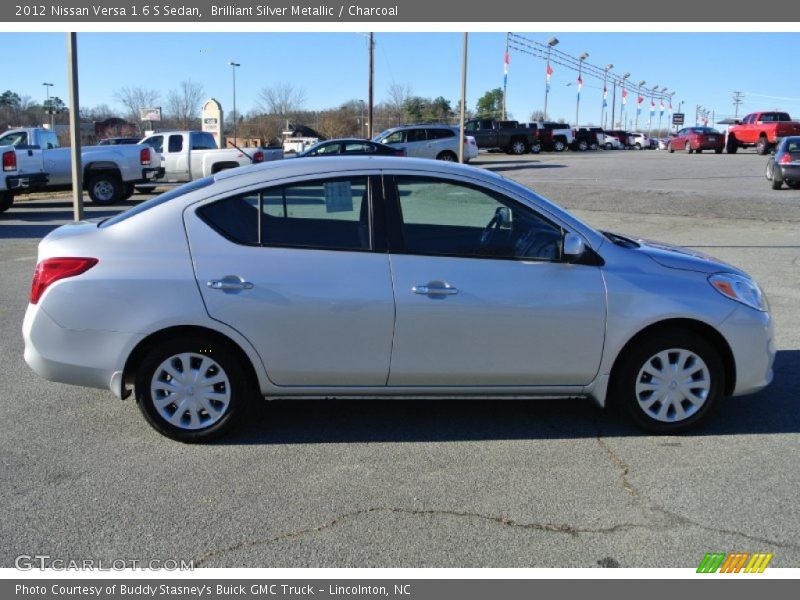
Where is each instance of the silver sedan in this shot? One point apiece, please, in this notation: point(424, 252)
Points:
point(385, 277)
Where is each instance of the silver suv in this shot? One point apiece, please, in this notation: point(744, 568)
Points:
point(428, 141)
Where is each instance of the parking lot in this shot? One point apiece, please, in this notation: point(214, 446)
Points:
point(431, 484)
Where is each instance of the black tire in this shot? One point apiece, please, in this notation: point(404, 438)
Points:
point(699, 150)
point(536, 147)
point(594, 146)
point(226, 362)
point(638, 146)
point(104, 187)
point(6, 200)
point(629, 372)
point(774, 176)
point(609, 146)
point(518, 146)
point(559, 145)
point(144, 189)
point(731, 146)
point(762, 146)
point(583, 145)
point(688, 148)
point(447, 156)
point(717, 150)
point(670, 149)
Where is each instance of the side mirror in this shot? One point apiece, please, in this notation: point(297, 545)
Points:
point(503, 216)
point(574, 246)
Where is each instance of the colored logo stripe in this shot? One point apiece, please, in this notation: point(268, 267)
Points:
point(734, 562)
point(711, 562)
point(758, 563)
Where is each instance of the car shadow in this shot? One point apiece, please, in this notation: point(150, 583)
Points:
point(773, 410)
point(522, 166)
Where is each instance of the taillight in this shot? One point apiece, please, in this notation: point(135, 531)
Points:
point(9, 161)
point(785, 159)
point(258, 156)
point(144, 155)
point(51, 270)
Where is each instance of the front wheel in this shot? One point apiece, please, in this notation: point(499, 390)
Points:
point(104, 188)
point(731, 146)
point(670, 382)
point(6, 200)
point(536, 147)
point(190, 389)
point(583, 145)
point(762, 147)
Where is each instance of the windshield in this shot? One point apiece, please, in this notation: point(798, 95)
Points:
point(158, 200)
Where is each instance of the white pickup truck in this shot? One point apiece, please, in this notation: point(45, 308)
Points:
point(190, 155)
point(109, 172)
point(22, 170)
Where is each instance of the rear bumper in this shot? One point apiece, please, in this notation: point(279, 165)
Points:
point(31, 180)
point(791, 172)
point(719, 144)
point(88, 358)
point(152, 173)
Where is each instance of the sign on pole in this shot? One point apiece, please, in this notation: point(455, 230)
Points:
point(150, 114)
point(677, 119)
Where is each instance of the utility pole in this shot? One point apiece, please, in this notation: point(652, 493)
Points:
point(463, 99)
point(75, 126)
point(233, 66)
point(738, 98)
point(371, 83)
point(505, 78)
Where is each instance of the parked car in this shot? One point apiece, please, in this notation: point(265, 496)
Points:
point(556, 137)
point(762, 130)
point(624, 137)
point(697, 139)
point(118, 141)
point(255, 279)
point(109, 172)
point(428, 141)
point(663, 143)
point(509, 136)
point(639, 140)
point(612, 142)
point(784, 165)
point(22, 170)
point(588, 138)
point(351, 146)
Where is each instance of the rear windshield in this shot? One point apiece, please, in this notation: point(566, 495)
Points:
point(158, 200)
point(705, 131)
point(774, 116)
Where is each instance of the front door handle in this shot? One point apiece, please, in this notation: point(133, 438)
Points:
point(435, 288)
point(229, 284)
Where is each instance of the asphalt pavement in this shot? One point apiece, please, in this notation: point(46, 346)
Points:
point(439, 483)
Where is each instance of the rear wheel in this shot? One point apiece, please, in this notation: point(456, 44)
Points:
point(594, 146)
point(583, 145)
point(762, 147)
point(536, 147)
point(104, 187)
point(670, 149)
point(447, 156)
point(699, 150)
point(609, 146)
point(518, 147)
point(774, 175)
point(6, 200)
point(731, 146)
point(559, 145)
point(190, 389)
point(670, 382)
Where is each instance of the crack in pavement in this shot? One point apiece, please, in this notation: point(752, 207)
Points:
point(504, 521)
point(620, 464)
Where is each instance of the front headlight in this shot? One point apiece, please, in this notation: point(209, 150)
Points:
point(741, 289)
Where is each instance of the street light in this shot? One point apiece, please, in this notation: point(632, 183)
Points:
point(581, 58)
point(609, 66)
point(233, 66)
point(550, 44)
point(47, 87)
point(638, 104)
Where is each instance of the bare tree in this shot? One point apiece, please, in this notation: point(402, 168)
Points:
point(282, 99)
point(397, 99)
point(537, 115)
point(183, 104)
point(136, 98)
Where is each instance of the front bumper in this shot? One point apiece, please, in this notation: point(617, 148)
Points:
point(751, 338)
point(88, 357)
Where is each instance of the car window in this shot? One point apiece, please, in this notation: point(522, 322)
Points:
point(19, 138)
point(358, 148)
point(49, 140)
point(415, 135)
point(471, 126)
point(156, 143)
point(326, 214)
point(175, 143)
point(203, 141)
point(441, 217)
point(440, 133)
point(398, 137)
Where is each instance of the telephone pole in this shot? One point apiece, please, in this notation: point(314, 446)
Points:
point(371, 83)
point(738, 98)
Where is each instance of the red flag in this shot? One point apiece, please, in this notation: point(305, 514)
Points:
point(549, 70)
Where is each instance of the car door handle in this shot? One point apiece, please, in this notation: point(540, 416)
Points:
point(435, 289)
point(230, 284)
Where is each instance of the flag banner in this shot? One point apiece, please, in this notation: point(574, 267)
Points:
point(505, 65)
point(549, 72)
point(580, 84)
point(652, 107)
point(624, 96)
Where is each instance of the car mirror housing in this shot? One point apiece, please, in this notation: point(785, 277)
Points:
point(574, 246)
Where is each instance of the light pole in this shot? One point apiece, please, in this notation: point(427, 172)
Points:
point(550, 44)
point(623, 102)
point(661, 109)
point(638, 103)
point(581, 58)
point(605, 94)
point(653, 94)
point(233, 66)
point(47, 87)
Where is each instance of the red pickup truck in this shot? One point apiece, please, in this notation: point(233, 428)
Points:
point(762, 130)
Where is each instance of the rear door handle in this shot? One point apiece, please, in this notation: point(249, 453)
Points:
point(230, 283)
point(435, 288)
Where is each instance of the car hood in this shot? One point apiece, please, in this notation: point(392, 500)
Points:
point(678, 257)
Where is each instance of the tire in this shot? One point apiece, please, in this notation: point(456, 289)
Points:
point(447, 156)
point(717, 150)
point(518, 147)
point(638, 146)
point(104, 187)
point(536, 147)
point(670, 149)
point(655, 406)
point(774, 176)
point(594, 146)
point(559, 145)
point(609, 146)
point(699, 151)
point(145, 189)
point(583, 145)
point(762, 146)
point(6, 200)
point(731, 146)
point(213, 361)
point(688, 148)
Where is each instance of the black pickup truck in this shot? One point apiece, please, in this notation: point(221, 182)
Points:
point(508, 136)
